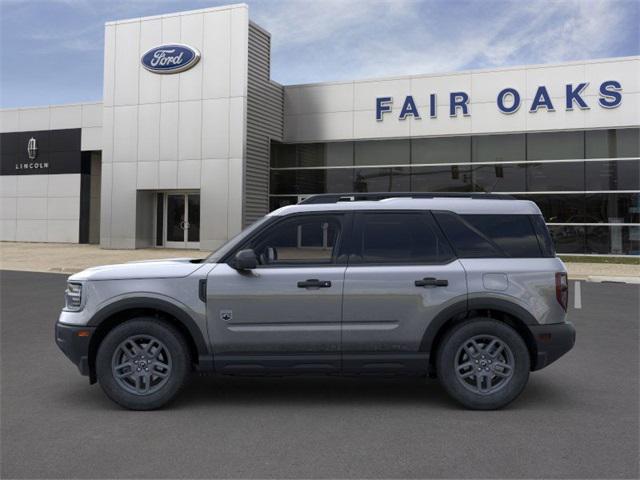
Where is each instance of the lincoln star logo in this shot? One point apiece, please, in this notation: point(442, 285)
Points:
point(32, 149)
point(32, 154)
point(172, 58)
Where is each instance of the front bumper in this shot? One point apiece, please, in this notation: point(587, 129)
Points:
point(552, 341)
point(74, 343)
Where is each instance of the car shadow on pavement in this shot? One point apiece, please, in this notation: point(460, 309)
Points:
point(202, 391)
point(345, 391)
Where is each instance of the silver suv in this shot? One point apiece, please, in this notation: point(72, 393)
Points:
point(463, 287)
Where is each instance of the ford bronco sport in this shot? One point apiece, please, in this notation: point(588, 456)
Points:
point(463, 287)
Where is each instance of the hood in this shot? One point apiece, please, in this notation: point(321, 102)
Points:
point(165, 268)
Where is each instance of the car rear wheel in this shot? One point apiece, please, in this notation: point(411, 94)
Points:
point(483, 364)
point(143, 363)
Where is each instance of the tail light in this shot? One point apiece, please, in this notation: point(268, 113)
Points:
point(562, 289)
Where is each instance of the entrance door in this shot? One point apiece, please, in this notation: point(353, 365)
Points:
point(182, 220)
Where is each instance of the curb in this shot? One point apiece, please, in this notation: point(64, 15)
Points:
point(65, 269)
point(607, 279)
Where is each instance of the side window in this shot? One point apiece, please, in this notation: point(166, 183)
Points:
point(467, 241)
point(514, 234)
point(300, 240)
point(401, 238)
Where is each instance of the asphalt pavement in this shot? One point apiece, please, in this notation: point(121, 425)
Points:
point(577, 418)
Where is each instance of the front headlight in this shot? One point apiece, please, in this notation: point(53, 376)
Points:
point(73, 297)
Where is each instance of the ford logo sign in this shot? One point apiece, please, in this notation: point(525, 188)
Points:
point(172, 58)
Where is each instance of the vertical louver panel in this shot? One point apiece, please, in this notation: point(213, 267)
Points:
point(265, 120)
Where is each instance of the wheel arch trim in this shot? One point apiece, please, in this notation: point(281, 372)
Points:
point(462, 308)
point(151, 303)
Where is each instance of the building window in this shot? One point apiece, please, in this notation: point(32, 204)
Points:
point(555, 145)
point(613, 175)
point(382, 152)
point(279, 202)
point(613, 207)
point(568, 238)
point(305, 182)
point(499, 148)
point(563, 176)
point(440, 150)
point(311, 154)
point(499, 178)
point(283, 155)
point(339, 154)
point(612, 143)
point(339, 180)
point(613, 240)
point(396, 179)
point(446, 178)
point(559, 208)
point(548, 168)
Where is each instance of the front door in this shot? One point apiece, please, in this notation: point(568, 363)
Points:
point(401, 275)
point(182, 220)
point(285, 314)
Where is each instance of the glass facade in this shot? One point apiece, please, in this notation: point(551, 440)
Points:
point(585, 182)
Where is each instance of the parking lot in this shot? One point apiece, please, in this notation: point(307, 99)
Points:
point(578, 418)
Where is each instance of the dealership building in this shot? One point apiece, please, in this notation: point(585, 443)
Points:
point(193, 141)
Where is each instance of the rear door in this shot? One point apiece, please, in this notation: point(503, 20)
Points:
point(285, 314)
point(401, 274)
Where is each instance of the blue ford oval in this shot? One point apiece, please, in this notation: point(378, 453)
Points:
point(171, 58)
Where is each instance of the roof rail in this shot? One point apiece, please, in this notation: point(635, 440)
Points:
point(355, 197)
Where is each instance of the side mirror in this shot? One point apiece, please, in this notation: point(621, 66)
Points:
point(272, 254)
point(245, 260)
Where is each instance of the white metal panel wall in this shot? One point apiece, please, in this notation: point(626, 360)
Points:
point(177, 131)
point(40, 208)
point(346, 110)
point(46, 208)
point(86, 116)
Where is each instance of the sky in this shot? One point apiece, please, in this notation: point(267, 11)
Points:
point(51, 51)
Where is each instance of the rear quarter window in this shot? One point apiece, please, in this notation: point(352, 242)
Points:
point(514, 234)
point(467, 241)
point(491, 236)
point(544, 238)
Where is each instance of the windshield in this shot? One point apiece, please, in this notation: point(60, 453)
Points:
point(232, 242)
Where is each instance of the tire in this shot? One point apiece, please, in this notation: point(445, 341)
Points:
point(151, 358)
point(470, 346)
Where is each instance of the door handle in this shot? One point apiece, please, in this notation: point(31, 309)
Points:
point(314, 283)
point(431, 282)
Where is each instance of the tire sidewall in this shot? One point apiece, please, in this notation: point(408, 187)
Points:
point(173, 341)
point(446, 361)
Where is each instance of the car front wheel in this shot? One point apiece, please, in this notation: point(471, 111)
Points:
point(483, 364)
point(143, 363)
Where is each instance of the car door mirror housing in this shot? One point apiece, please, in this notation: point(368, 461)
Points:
point(245, 260)
point(271, 254)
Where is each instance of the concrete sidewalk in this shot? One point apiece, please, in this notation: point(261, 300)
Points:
point(71, 258)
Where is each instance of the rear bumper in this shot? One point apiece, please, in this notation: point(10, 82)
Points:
point(74, 343)
point(552, 341)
